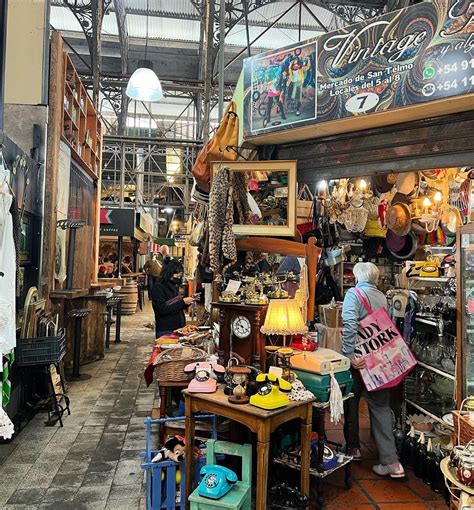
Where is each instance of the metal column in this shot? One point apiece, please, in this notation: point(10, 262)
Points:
point(208, 59)
point(221, 56)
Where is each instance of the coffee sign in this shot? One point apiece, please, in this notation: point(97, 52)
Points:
point(415, 55)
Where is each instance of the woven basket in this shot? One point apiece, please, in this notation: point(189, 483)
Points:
point(463, 429)
point(171, 362)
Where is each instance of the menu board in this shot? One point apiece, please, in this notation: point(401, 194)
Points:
point(414, 55)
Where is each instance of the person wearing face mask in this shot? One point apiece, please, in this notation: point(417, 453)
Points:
point(168, 305)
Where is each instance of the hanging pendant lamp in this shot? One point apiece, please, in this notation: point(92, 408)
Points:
point(144, 84)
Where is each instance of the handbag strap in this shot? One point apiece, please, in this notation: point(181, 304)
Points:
point(364, 301)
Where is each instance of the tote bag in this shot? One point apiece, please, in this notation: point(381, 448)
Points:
point(216, 149)
point(387, 356)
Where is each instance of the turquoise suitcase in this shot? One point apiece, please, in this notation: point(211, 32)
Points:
point(320, 385)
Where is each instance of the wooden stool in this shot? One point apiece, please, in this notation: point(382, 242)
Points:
point(240, 497)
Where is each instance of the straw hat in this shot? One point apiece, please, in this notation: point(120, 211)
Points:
point(373, 228)
point(450, 221)
point(398, 219)
point(407, 182)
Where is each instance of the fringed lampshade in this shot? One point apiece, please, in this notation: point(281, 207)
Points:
point(284, 318)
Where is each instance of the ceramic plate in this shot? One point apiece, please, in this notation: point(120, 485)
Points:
point(448, 418)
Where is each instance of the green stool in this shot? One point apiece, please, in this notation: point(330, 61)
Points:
point(240, 497)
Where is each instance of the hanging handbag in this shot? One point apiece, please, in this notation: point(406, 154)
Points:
point(216, 149)
point(198, 230)
point(326, 288)
point(388, 359)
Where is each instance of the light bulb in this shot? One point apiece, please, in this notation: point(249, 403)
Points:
point(438, 196)
point(322, 185)
point(363, 184)
point(426, 202)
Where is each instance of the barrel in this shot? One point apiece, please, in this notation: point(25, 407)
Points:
point(129, 295)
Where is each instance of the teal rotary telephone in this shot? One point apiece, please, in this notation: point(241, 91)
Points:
point(217, 481)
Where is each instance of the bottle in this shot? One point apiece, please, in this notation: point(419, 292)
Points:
point(429, 466)
point(408, 448)
point(420, 456)
point(437, 483)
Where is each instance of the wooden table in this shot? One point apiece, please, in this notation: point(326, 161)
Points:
point(163, 386)
point(259, 421)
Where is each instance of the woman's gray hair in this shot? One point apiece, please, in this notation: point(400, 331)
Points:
point(366, 272)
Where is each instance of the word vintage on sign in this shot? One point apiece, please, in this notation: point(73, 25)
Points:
point(420, 54)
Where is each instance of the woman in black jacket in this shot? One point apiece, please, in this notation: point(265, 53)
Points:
point(168, 305)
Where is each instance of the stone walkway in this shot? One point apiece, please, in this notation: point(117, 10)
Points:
point(93, 462)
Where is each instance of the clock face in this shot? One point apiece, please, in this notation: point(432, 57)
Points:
point(241, 326)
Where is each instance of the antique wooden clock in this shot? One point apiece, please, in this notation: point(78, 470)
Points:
point(240, 332)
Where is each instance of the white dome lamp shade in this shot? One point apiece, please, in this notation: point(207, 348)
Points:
point(144, 84)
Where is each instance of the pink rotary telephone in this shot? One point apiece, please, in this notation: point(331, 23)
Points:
point(203, 381)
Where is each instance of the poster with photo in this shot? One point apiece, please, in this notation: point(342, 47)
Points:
point(283, 87)
point(419, 54)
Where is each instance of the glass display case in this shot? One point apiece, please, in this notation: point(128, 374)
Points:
point(465, 282)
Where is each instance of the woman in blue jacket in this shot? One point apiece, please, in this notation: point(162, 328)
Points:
point(353, 311)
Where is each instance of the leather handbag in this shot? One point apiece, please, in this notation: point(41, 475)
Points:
point(217, 148)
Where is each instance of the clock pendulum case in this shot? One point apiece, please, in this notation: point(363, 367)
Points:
point(243, 323)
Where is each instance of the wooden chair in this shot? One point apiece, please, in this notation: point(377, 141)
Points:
point(240, 497)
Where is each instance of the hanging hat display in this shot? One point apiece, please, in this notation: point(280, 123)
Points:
point(398, 219)
point(383, 183)
point(400, 198)
point(373, 228)
point(407, 182)
point(408, 249)
point(393, 242)
point(450, 221)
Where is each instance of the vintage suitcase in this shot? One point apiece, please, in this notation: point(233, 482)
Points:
point(321, 361)
point(320, 385)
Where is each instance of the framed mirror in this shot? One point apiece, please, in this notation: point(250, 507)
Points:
point(271, 187)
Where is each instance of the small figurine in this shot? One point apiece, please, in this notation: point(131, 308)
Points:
point(172, 450)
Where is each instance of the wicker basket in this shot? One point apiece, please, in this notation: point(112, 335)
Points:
point(463, 428)
point(171, 362)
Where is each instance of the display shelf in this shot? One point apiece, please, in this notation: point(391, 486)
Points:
point(450, 474)
point(420, 282)
point(81, 128)
point(313, 471)
point(436, 370)
point(428, 413)
point(429, 322)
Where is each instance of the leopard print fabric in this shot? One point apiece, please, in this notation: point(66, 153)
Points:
point(229, 190)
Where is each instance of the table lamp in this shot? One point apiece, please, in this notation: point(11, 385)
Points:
point(284, 318)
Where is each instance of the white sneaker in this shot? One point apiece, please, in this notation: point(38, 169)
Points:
point(394, 470)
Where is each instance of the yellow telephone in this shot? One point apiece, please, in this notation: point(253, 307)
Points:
point(272, 392)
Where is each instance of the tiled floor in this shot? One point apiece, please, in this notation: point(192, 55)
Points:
point(370, 491)
point(93, 463)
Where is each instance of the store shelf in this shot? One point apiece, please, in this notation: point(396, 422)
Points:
point(312, 471)
point(428, 413)
point(437, 370)
point(420, 282)
point(429, 322)
point(450, 474)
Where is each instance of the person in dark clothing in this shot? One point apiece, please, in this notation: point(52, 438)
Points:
point(168, 305)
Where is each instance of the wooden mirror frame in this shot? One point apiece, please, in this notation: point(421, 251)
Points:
point(288, 230)
point(289, 248)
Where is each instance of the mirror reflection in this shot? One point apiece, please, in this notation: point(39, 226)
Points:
point(267, 198)
point(272, 277)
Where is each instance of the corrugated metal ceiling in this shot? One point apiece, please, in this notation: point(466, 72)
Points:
point(182, 29)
